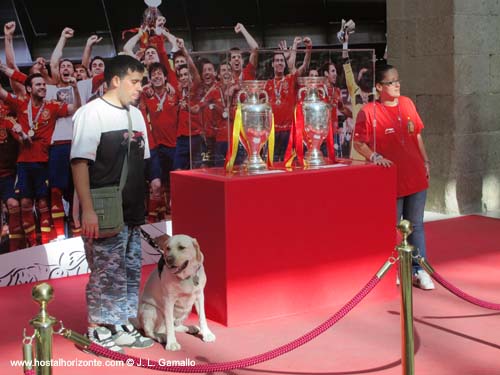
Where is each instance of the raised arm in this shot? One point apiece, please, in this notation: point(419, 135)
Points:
point(291, 55)
point(10, 58)
point(129, 47)
point(192, 67)
point(162, 52)
point(345, 48)
point(58, 52)
point(350, 81)
point(252, 43)
point(87, 52)
point(41, 67)
point(9, 72)
point(3, 93)
point(307, 58)
point(15, 78)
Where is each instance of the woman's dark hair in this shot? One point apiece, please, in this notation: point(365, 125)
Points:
point(381, 70)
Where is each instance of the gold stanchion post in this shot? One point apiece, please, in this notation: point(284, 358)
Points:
point(43, 323)
point(405, 276)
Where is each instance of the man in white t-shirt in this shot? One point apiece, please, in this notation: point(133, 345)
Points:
point(60, 181)
point(100, 146)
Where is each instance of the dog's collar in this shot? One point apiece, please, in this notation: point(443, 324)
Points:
point(195, 276)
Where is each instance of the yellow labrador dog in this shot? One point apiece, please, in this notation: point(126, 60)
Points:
point(171, 291)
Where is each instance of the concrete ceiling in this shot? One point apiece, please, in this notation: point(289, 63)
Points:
point(40, 21)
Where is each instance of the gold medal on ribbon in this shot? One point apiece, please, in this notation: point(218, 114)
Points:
point(159, 107)
point(31, 133)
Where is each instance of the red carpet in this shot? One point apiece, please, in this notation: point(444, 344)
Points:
point(453, 337)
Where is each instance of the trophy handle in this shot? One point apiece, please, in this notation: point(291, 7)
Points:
point(301, 90)
point(266, 95)
point(239, 95)
point(321, 89)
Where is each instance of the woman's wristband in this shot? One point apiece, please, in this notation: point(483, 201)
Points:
point(375, 157)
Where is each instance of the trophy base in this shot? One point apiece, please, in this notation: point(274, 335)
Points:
point(255, 164)
point(314, 158)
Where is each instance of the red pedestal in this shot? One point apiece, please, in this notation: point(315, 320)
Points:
point(283, 243)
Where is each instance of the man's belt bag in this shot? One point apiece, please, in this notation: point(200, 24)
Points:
point(108, 207)
point(108, 202)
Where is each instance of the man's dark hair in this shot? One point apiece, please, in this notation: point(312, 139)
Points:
point(204, 61)
point(182, 66)
point(120, 66)
point(157, 66)
point(96, 58)
point(177, 54)
point(78, 66)
point(68, 60)
point(279, 52)
point(30, 79)
point(325, 68)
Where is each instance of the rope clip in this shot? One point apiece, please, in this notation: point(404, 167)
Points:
point(61, 330)
point(28, 340)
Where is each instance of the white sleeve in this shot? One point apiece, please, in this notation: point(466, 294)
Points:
point(85, 89)
point(86, 133)
point(141, 126)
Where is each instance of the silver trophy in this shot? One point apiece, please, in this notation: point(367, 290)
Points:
point(346, 28)
point(316, 117)
point(150, 15)
point(256, 118)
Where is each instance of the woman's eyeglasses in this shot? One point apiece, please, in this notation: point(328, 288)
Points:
point(391, 83)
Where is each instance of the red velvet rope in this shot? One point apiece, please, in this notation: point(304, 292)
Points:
point(246, 362)
point(459, 293)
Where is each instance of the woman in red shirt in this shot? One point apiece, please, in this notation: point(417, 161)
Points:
point(397, 139)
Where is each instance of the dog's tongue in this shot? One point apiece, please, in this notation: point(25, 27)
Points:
point(182, 268)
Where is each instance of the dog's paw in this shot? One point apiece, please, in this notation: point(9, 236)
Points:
point(208, 336)
point(173, 346)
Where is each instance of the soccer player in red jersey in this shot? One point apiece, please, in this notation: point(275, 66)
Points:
point(160, 114)
point(282, 92)
point(37, 118)
point(9, 146)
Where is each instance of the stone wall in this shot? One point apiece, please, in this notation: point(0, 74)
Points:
point(448, 55)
